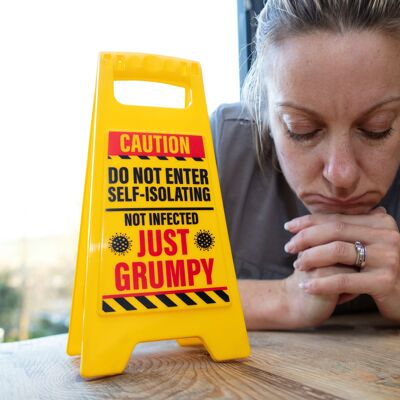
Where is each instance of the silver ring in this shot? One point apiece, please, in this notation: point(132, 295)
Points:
point(361, 254)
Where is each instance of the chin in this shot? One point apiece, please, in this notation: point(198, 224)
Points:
point(356, 209)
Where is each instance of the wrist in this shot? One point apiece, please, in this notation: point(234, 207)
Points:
point(288, 302)
point(307, 310)
point(265, 304)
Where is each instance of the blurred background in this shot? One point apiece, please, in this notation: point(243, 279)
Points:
point(48, 61)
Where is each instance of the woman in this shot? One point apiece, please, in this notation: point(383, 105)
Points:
point(309, 170)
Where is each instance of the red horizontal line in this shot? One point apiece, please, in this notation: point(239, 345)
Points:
point(113, 296)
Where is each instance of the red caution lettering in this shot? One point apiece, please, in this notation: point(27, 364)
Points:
point(163, 273)
point(155, 144)
point(157, 242)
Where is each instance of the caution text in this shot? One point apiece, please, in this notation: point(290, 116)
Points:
point(163, 273)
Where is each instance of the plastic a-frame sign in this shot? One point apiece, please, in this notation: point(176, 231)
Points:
point(154, 260)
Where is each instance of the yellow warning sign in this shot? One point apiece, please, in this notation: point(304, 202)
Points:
point(154, 259)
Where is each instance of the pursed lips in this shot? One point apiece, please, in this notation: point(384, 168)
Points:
point(356, 201)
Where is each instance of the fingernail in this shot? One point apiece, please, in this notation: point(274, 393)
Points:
point(290, 225)
point(288, 247)
point(304, 285)
point(296, 264)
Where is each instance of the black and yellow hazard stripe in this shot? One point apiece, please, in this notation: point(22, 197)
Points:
point(163, 158)
point(165, 301)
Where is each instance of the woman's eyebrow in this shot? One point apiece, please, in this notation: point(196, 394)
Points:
point(316, 115)
point(300, 108)
point(382, 103)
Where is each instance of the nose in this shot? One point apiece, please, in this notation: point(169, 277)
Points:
point(341, 169)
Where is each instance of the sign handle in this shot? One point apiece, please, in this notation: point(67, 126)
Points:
point(160, 69)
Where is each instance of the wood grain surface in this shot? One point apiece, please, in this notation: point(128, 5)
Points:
point(347, 358)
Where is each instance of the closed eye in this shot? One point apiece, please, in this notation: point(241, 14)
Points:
point(376, 135)
point(303, 137)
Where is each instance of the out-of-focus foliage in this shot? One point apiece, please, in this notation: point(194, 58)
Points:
point(10, 304)
point(45, 326)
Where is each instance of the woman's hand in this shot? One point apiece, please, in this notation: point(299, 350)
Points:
point(308, 309)
point(323, 240)
point(282, 304)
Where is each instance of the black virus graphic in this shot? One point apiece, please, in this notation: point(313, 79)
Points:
point(120, 244)
point(204, 240)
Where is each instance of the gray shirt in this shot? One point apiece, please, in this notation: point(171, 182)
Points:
point(257, 204)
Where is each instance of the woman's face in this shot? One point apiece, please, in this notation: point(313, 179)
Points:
point(334, 114)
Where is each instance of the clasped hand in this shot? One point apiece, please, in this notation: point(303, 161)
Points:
point(326, 256)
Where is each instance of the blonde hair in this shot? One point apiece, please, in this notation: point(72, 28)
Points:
point(281, 19)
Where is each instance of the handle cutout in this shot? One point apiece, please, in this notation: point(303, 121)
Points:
point(150, 94)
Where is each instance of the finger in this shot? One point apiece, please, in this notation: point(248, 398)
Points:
point(378, 210)
point(345, 254)
point(364, 282)
point(333, 253)
point(375, 219)
point(331, 232)
point(345, 297)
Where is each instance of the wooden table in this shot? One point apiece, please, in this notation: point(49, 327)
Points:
point(347, 358)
